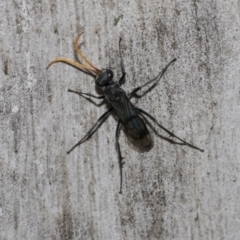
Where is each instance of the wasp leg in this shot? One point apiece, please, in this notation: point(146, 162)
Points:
point(122, 78)
point(93, 129)
point(169, 132)
point(120, 158)
point(159, 135)
point(86, 94)
point(154, 81)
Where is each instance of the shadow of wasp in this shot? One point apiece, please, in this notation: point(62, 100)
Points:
point(132, 118)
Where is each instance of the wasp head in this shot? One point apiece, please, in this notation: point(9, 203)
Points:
point(104, 78)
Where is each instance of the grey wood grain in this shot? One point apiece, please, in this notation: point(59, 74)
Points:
point(170, 192)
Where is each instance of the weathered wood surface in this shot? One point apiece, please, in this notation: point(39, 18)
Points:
point(170, 192)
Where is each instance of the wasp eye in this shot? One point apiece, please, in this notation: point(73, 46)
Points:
point(109, 73)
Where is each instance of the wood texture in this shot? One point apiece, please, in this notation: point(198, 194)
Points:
point(170, 192)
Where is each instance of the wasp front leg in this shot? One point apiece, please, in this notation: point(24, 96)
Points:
point(86, 94)
point(122, 78)
point(154, 81)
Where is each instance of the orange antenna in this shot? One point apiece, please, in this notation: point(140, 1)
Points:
point(81, 54)
point(90, 68)
point(71, 62)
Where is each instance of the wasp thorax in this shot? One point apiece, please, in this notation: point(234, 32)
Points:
point(104, 78)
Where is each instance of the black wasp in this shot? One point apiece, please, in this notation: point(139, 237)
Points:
point(131, 117)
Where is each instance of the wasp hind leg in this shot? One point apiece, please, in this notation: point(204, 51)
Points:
point(120, 158)
point(169, 132)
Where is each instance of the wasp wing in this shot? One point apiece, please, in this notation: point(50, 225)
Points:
point(133, 123)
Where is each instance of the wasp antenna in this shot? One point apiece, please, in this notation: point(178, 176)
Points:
point(72, 63)
point(79, 52)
